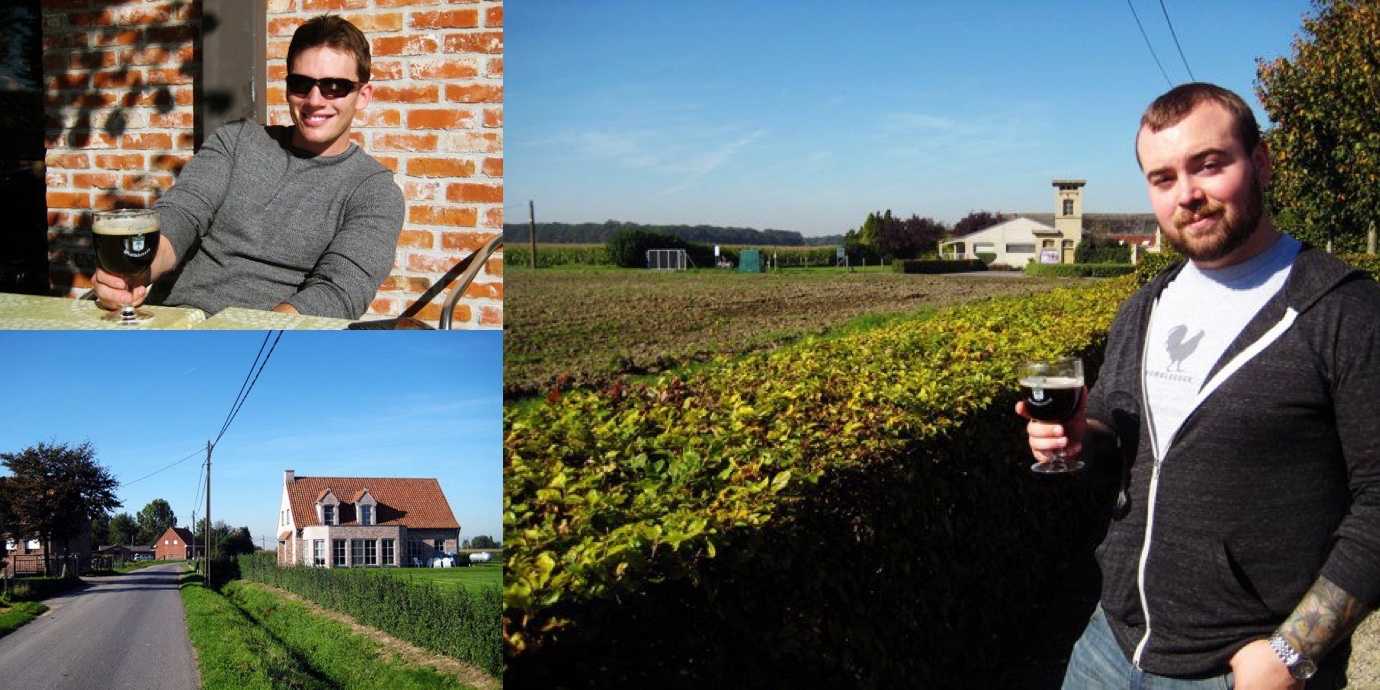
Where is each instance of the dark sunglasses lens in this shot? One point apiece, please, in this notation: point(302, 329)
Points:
point(335, 88)
point(331, 87)
point(299, 84)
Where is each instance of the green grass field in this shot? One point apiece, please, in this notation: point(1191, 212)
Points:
point(12, 617)
point(470, 577)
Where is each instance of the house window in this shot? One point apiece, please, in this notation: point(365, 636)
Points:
point(371, 555)
point(417, 550)
point(1020, 249)
point(338, 551)
point(328, 515)
point(366, 515)
point(318, 552)
point(1068, 207)
point(356, 551)
point(388, 552)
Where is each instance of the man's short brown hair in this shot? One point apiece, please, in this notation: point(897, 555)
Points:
point(333, 32)
point(1175, 105)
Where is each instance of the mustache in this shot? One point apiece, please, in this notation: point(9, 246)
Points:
point(1184, 217)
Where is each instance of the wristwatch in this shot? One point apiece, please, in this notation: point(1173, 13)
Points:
point(1300, 666)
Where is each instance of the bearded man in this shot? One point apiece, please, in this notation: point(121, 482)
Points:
point(1245, 545)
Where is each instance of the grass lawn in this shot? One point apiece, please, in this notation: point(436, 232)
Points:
point(470, 577)
point(12, 617)
point(249, 638)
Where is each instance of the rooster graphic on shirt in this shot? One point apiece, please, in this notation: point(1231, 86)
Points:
point(1180, 349)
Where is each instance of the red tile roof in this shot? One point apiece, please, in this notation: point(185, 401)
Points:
point(412, 503)
point(184, 533)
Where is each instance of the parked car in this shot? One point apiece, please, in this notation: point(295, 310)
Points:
point(143, 556)
point(480, 557)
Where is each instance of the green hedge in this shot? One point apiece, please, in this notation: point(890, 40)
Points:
point(628, 248)
point(557, 255)
point(938, 265)
point(455, 622)
point(1366, 262)
point(39, 588)
point(850, 512)
point(1078, 270)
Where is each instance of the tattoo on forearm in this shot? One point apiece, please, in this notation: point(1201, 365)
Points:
point(1326, 615)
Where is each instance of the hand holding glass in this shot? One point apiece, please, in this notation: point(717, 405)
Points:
point(126, 243)
point(1051, 390)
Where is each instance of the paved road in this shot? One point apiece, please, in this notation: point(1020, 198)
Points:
point(124, 632)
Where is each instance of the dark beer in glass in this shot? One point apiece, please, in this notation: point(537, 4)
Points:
point(1051, 390)
point(126, 242)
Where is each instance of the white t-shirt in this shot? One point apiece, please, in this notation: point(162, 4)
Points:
point(1196, 318)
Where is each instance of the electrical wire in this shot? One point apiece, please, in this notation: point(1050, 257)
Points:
point(235, 410)
point(235, 403)
point(1147, 44)
point(1176, 42)
point(165, 467)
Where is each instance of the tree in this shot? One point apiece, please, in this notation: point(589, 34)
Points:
point(55, 491)
point(1325, 144)
point(483, 541)
point(225, 541)
point(124, 530)
point(975, 220)
point(100, 529)
point(155, 519)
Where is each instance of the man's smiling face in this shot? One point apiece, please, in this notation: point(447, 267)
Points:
point(323, 124)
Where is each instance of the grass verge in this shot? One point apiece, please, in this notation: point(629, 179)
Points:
point(472, 577)
point(19, 614)
point(248, 638)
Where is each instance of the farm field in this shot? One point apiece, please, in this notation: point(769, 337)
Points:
point(590, 324)
point(471, 577)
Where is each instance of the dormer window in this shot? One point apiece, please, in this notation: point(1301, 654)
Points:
point(366, 515)
point(328, 514)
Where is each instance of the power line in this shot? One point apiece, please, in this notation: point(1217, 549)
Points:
point(1147, 44)
point(235, 409)
point(235, 403)
point(1176, 42)
point(165, 467)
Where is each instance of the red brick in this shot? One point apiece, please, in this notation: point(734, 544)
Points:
point(318, 5)
point(490, 316)
point(371, 117)
point(479, 290)
point(444, 69)
point(390, 162)
point(404, 3)
point(284, 26)
point(474, 193)
point(69, 160)
point(178, 119)
point(493, 117)
point(117, 79)
point(127, 15)
point(438, 119)
point(151, 55)
point(382, 306)
point(148, 182)
point(170, 162)
point(405, 142)
point(69, 80)
point(474, 93)
point(378, 69)
point(107, 201)
point(493, 17)
point(405, 284)
point(97, 180)
point(276, 95)
point(116, 38)
point(421, 191)
point(442, 215)
point(169, 76)
point(370, 23)
point(186, 140)
point(495, 68)
point(147, 140)
point(477, 42)
point(482, 142)
point(494, 267)
point(450, 19)
point(170, 34)
point(69, 200)
point(277, 6)
point(420, 93)
point(493, 167)
point(278, 50)
point(92, 60)
point(403, 45)
point(464, 241)
point(278, 71)
point(55, 179)
point(422, 239)
point(493, 218)
point(440, 167)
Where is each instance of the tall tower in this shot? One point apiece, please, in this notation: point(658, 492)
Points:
point(1068, 215)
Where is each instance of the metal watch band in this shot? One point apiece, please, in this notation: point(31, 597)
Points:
point(1300, 666)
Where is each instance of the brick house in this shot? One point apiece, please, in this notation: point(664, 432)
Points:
point(25, 556)
point(176, 544)
point(108, 100)
point(334, 522)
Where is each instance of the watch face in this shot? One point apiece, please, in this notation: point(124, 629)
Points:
point(1303, 670)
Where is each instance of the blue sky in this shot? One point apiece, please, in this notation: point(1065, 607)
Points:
point(806, 115)
point(361, 404)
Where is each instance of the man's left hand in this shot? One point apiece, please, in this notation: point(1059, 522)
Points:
point(1257, 667)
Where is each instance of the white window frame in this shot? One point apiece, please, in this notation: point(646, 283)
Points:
point(389, 552)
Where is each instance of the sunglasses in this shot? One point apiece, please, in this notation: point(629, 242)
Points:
point(331, 87)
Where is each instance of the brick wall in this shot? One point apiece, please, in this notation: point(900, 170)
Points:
point(119, 77)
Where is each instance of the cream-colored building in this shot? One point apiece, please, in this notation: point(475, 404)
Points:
point(1019, 240)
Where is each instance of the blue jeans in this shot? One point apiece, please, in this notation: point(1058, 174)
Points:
point(1097, 663)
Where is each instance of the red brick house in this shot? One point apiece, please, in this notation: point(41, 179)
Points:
point(336, 522)
point(25, 556)
point(176, 544)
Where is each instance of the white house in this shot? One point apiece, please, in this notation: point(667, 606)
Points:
point(1021, 239)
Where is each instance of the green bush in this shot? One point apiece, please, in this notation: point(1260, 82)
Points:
point(1151, 264)
point(549, 255)
point(1366, 262)
point(39, 588)
point(628, 248)
point(455, 622)
point(937, 265)
point(1078, 270)
point(813, 514)
point(986, 258)
point(1094, 250)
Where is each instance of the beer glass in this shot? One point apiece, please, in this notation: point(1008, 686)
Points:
point(1051, 389)
point(126, 242)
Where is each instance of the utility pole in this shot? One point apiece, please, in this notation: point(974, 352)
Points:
point(206, 555)
point(532, 233)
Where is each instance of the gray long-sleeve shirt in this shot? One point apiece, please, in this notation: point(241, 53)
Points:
point(256, 224)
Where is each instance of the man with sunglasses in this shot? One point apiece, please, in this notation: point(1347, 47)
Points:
point(293, 219)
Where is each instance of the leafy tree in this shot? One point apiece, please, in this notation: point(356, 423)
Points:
point(226, 542)
point(1326, 140)
point(155, 519)
point(483, 541)
point(124, 530)
point(1100, 250)
point(55, 491)
point(100, 529)
point(975, 220)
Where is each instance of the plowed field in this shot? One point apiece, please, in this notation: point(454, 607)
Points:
point(585, 326)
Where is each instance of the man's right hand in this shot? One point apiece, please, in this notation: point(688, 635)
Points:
point(114, 291)
point(1047, 437)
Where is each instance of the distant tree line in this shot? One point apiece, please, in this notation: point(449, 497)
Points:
point(598, 233)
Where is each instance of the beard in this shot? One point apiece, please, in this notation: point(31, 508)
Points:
point(1233, 228)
